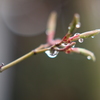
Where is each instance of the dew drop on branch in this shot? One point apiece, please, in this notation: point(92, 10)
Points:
point(51, 54)
point(80, 40)
point(92, 36)
point(73, 46)
point(69, 27)
point(78, 25)
point(89, 57)
point(76, 34)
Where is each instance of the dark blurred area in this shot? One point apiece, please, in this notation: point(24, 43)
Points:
point(67, 77)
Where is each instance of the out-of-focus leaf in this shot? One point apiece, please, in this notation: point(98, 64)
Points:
point(90, 55)
point(51, 27)
point(89, 33)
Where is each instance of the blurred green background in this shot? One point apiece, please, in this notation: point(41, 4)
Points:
point(67, 77)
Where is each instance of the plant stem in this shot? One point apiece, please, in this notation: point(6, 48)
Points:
point(33, 52)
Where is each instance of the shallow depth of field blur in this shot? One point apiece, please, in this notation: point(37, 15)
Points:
point(66, 77)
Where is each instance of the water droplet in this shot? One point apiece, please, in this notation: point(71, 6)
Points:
point(73, 46)
point(80, 40)
point(69, 27)
point(76, 34)
point(51, 54)
point(3, 64)
point(92, 36)
point(89, 57)
point(78, 25)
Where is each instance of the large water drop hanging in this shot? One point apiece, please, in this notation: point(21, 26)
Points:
point(51, 54)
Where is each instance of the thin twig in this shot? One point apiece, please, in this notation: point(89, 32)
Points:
point(33, 52)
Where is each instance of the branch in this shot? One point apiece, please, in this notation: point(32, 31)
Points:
point(33, 52)
point(54, 46)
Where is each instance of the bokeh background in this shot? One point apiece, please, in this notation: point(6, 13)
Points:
point(67, 77)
